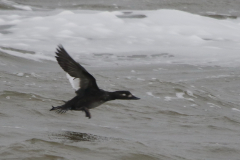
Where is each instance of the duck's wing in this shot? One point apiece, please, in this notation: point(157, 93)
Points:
point(73, 81)
point(75, 70)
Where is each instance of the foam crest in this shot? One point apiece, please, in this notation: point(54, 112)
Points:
point(190, 38)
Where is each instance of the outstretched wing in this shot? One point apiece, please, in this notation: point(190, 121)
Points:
point(74, 69)
point(73, 81)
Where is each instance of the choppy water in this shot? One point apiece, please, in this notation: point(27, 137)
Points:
point(216, 8)
point(189, 107)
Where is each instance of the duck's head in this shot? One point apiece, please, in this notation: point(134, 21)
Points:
point(124, 95)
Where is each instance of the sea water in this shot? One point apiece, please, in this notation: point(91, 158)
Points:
point(180, 57)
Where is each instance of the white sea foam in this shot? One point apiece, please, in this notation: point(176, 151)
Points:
point(168, 98)
point(213, 105)
point(180, 95)
point(140, 79)
point(150, 94)
point(20, 74)
point(190, 93)
point(235, 109)
point(12, 127)
point(14, 16)
point(1, 21)
point(35, 75)
point(188, 38)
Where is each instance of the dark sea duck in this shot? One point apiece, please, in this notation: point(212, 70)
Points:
point(88, 94)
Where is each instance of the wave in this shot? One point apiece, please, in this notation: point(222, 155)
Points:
point(196, 39)
point(20, 96)
point(37, 148)
point(79, 137)
point(3, 115)
point(9, 5)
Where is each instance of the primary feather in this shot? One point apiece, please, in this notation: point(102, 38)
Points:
point(75, 70)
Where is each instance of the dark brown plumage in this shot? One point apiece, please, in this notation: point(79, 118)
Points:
point(88, 95)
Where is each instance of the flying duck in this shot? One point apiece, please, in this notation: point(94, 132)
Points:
point(88, 95)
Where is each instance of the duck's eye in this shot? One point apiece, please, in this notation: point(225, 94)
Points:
point(123, 94)
point(129, 95)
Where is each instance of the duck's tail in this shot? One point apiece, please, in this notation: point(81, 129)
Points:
point(58, 107)
point(61, 109)
point(65, 107)
point(53, 108)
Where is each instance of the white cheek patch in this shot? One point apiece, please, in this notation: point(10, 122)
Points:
point(130, 95)
point(123, 94)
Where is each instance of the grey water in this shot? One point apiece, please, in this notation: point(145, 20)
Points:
point(215, 8)
point(186, 112)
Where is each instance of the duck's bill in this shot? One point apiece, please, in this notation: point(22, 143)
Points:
point(134, 98)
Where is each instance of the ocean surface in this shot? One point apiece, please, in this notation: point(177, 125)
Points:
point(181, 57)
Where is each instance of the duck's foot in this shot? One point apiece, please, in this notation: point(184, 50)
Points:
point(88, 114)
